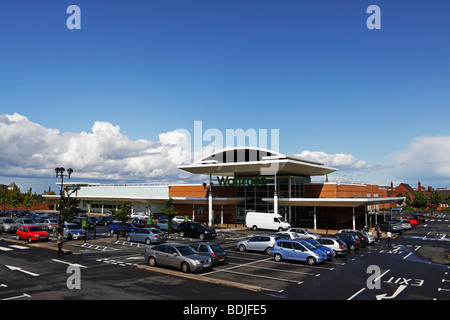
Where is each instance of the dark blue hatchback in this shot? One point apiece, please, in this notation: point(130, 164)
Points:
point(351, 240)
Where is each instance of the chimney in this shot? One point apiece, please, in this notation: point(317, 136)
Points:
point(430, 189)
point(419, 187)
point(392, 186)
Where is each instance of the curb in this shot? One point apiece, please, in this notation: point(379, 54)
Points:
point(199, 278)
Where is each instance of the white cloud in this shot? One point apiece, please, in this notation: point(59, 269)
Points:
point(341, 161)
point(29, 149)
point(426, 158)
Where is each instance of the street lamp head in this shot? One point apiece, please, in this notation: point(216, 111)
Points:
point(69, 171)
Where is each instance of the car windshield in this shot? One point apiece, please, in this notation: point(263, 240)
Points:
point(9, 220)
point(308, 245)
point(217, 248)
point(308, 231)
point(185, 250)
point(154, 230)
point(35, 229)
point(315, 243)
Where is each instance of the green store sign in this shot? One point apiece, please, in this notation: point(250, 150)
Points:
point(241, 181)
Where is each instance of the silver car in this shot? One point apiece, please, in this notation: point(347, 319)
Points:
point(48, 224)
point(338, 246)
point(73, 231)
point(178, 256)
point(305, 233)
point(147, 235)
point(8, 224)
point(258, 243)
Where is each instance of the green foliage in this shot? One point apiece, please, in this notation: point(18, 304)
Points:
point(170, 212)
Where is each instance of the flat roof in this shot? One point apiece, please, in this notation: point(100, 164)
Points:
point(248, 161)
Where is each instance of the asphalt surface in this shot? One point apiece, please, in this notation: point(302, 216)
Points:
point(415, 267)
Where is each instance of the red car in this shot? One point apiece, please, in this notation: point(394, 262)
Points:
point(31, 233)
point(411, 220)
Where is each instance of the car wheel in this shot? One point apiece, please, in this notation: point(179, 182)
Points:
point(69, 236)
point(111, 231)
point(202, 236)
point(242, 248)
point(311, 261)
point(185, 267)
point(254, 228)
point(352, 247)
point(152, 262)
point(148, 241)
point(30, 240)
point(278, 257)
point(17, 237)
point(128, 238)
point(268, 250)
point(182, 234)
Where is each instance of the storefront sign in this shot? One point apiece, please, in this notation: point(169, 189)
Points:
point(241, 181)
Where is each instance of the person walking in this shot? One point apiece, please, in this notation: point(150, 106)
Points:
point(389, 236)
point(378, 231)
point(60, 242)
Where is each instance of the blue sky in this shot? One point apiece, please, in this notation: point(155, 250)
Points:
point(311, 69)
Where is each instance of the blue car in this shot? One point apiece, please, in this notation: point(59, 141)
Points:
point(114, 228)
point(297, 249)
point(328, 252)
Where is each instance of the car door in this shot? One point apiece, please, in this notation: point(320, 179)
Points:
point(173, 257)
point(252, 243)
point(299, 252)
point(20, 232)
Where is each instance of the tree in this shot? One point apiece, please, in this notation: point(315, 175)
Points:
point(408, 200)
point(3, 198)
point(122, 216)
point(447, 199)
point(420, 200)
point(28, 199)
point(436, 199)
point(170, 212)
point(14, 196)
point(400, 202)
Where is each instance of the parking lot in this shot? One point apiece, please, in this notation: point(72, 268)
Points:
point(416, 266)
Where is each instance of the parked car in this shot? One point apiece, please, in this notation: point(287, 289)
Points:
point(147, 235)
point(305, 233)
point(164, 225)
point(115, 228)
point(327, 251)
point(178, 256)
point(411, 220)
point(362, 236)
point(72, 231)
point(25, 221)
point(32, 233)
point(196, 230)
point(179, 219)
point(8, 224)
point(215, 251)
point(91, 224)
point(405, 224)
point(143, 223)
point(337, 245)
point(419, 217)
point(258, 243)
point(351, 240)
point(48, 224)
point(297, 249)
point(289, 235)
point(392, 226)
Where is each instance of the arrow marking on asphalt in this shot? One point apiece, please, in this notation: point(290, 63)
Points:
point(21, 270)
point(396, 293)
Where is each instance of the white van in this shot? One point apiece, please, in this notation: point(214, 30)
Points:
point(264, 220)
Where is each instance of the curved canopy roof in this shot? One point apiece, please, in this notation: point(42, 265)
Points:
point(252, 161)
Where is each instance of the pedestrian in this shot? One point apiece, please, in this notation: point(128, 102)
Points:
point(60, 242)
point(389, 236)
point(377, 229)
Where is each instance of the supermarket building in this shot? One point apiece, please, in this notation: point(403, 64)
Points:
point(239, 180)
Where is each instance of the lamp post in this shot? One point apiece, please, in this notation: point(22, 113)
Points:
point(60, 173)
